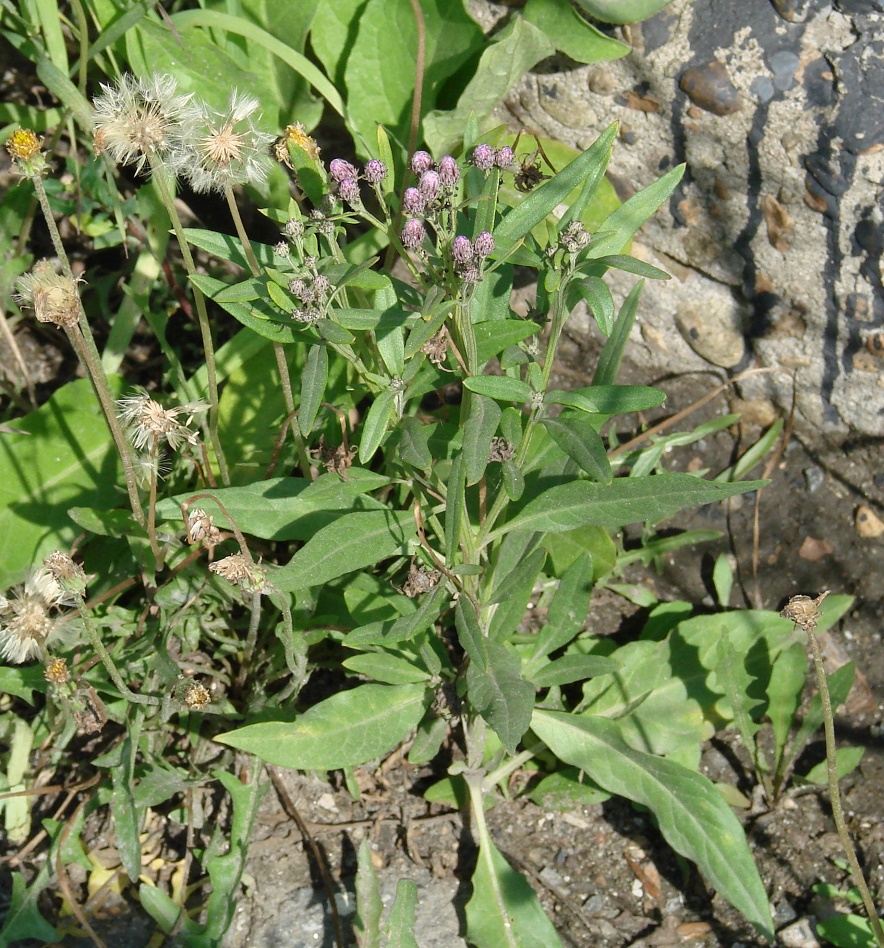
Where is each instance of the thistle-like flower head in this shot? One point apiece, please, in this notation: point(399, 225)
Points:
point(144, 122)
point(148, 421)
point(229, 150)
point(52, 295)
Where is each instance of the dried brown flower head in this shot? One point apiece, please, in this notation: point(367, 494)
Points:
point(196, 696)
point(420, 579)
point(336, 460)
point(804, 611)
point(242, 572)
point(201, 529)
point(436, 347)
point(70, 576)
point(149, 422)
point(501, 450)
point(53, 296)
point(57, 672)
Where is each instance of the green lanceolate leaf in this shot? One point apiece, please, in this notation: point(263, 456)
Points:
point(454, 508)
point(494, 335)
point(503, 911)
point(598, 298)
point(374, 429)
point(608, 399)
point(622, 11)
point(577, 437)
point(512, 595)
point(389, 669)
point(369, 907)
point(414, 447)
point(691, 813)
point(391, 632)
point(567, 611)
point(570, 668)
point(345, 730)
point(313, 383)
point(499, 386)
point(480, 427)
point(399, 927)
point(351, 542)
point(624, 500)
point(610, 357)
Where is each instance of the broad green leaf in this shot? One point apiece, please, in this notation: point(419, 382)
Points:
point(504, 911)
point(414, 447)
point(313, 383)
point(255, 316)
point(494, 335)
point(611, 356)
point(566, 789)
point(125, 815)
point(784, 690)
point(619, 228)
point(513, 479)
point(499, 386)
point(624, 500)
point(391, 632)
point(511, 53)
point(285, 508)
point(513, 595)
point(629, 264)
point(567, 611)
point(374, 428)
point(608, 399)
point(399, 927)
point(22, 681)
point(577, 437)
point(622, 11)
point(570, 33)
point(690, 812)
point(571, 668)
point(479, 428)
point(345, 730)
point(564, 548)
point(352, 542)
point(66, 459)
point(732, 675)
point(598, 298)
point(23, 919)
point(389, 669)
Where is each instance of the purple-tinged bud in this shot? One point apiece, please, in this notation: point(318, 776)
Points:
point(340, 170)
point(413, 234)
point(504, 158)
point(294, 228)
point(413, 202)
point(449, 173)
point(349, 191)
point(483, 157)
point(298, 288)
point(484, 244)
point(462, 252)
point(375, 171)
point(421, 161)
point(469, 275)
point(430, 186)
point(282, 249)
point(321, 285)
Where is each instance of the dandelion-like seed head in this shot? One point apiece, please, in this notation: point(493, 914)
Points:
point(27, 622)
point(240, 571)
point(53, 296)
point(143, 122)
point(229, 150)
point(149, 422)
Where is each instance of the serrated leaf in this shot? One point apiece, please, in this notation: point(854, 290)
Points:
point(345, 730)
point(690, 812)
point(624, 500)
point(351, 542)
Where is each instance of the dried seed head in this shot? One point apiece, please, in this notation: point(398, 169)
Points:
point(57, 672)
point(201, 529)
point(804, 611)
point(436, 347)
point(52, 295)
point(24, 148)
point(144, 122)
point(575, 237)
point(70, 576)
point(149, 422)
point(239, 571)
point(501, 450)
point(420, 580)
point(196, 696)
point(27, 623)
point(297, 135)
point(229, 150)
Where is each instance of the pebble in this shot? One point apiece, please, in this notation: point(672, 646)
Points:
point(814, 478)
point(710, 88)
point(783, 913)
point(712, 329)
point(799, 935)
point(868, 524)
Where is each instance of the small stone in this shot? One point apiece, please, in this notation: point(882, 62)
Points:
point(710, 88)
point(814, 478)
point(799, 935)
point(812, 549)
point(712, 329)
point(868, 524)
point(784, 913)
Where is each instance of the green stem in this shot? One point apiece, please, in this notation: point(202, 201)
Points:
point(296, 661)
point(152, 505)
point(834, 793)
point(108, 662)
point(160, 178)
point(251, 640)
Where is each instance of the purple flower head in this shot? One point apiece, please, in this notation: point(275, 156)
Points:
point(294, 228)
point(375, 171)
point(321, 285)
point(449, 173)
point(413, 234)
point(462, 252)
point(298, 288)
point(340, 170)
point(413, 202)
point(421, 161)
point(469, 275)
point(504, 158)
point(483, 157)
point(349, 190)
point(430, 186)
point(484, 244)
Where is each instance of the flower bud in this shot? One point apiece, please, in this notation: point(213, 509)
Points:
point(413, 201)
point(462, 252)
point(421, 161)
point(375, 171)
point(430, 186)
point(484, 244)
point(340, 170)
point(449, 172)
point(483, 157)
point(349, 191)
point(413, 234)
point(504, 157)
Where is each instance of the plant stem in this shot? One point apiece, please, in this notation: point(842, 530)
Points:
point(108, 662)
point(152, 505)
point(251, 640)
point(160, 178)
point(834, 793)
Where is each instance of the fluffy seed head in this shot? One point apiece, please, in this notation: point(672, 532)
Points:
point(149, 422)
point(27, 623)
point(144, 121)
point(52, 295)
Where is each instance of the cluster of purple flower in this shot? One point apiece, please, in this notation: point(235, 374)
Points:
point(346, 178)
point(485, 158)
point(436, 183)
point(467, 255)
point(311, 293)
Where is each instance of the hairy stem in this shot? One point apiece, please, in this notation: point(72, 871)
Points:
point(108, 662)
